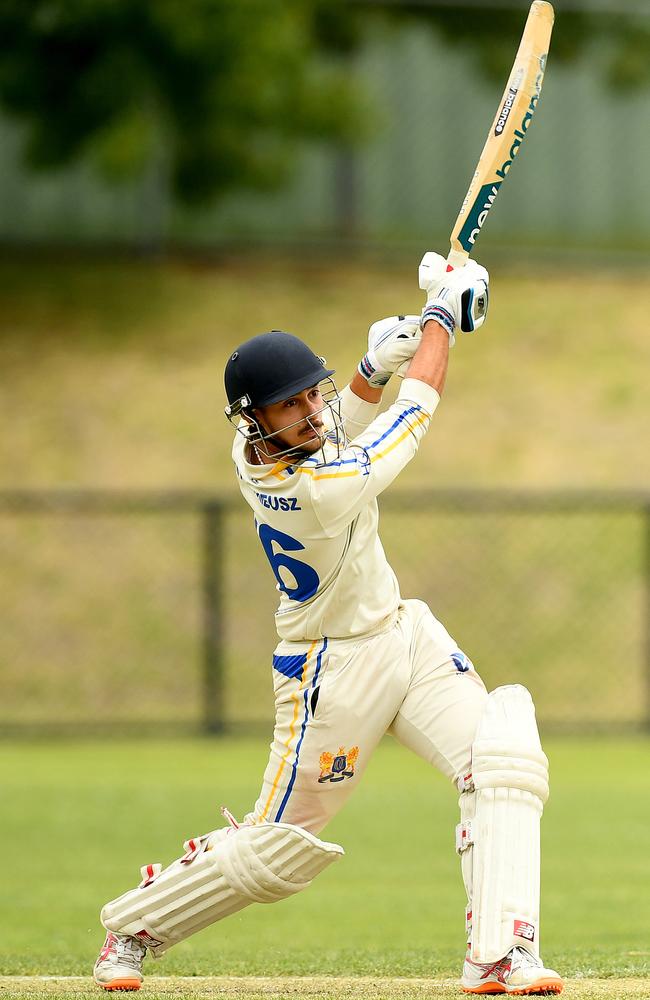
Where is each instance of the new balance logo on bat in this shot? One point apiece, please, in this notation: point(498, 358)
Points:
point(525, 122)
point(484, 200)
point(482, 216)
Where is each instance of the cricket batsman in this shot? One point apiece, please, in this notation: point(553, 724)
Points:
point(355, 660)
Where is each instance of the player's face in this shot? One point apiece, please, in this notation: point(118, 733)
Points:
point(296, 422)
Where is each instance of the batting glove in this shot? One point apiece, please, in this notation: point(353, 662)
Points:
point(391, 342)
point(457, 298)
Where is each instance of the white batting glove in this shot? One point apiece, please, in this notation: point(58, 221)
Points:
point(391, 342)
point(457, 298)
point(431, 273)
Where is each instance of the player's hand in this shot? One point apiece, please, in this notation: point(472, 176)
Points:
point(391, 342)
point(431, 273)
point(457, 298)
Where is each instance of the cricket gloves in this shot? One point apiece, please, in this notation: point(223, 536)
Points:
point(391, 342)
point(455, 299)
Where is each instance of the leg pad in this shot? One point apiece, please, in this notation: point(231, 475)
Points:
point(499, 838)
point(229, 869)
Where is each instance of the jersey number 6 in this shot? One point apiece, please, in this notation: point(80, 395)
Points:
point(305, 577)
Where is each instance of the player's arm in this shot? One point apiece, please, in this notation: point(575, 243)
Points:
point(362, 390)
point(378, 454)
point(429, 364)
point(359, 405)
point(372, 459)
point(392, 342)
point(455, 300)
point(399, 341)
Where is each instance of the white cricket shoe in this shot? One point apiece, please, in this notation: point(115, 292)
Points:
point(119, 962)
point(518, 973)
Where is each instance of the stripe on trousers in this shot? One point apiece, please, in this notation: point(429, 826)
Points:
point(295, 697)
point(294, 769)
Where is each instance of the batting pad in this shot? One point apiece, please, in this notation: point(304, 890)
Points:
point(226, 870)
point(510, 776)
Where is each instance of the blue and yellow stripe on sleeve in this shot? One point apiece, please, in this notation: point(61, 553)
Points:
point(390, 439)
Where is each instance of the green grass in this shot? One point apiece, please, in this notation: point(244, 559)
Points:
point(319, 988)
point(80, 818)
point(112, 371)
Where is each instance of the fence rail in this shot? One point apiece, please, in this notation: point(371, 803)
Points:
point(152, 612)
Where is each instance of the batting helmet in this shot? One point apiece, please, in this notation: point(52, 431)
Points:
point(268, 368)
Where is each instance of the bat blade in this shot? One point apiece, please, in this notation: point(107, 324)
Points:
point(507, 132)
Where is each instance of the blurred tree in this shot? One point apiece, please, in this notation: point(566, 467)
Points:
point(223, 90)
point(219, 93)
point(622, 40)
point(629, 67)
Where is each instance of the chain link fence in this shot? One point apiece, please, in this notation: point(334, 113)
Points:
point(154, 613)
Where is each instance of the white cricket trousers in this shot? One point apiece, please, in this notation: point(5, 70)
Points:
point(336, 698)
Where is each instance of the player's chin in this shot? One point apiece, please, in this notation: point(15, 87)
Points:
point(312, 443)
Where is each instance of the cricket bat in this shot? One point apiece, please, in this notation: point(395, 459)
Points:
point(507, 132)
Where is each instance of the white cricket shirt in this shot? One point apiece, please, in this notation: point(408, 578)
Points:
point(318, 523)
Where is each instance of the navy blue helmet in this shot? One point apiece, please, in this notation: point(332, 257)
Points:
point(268, 368)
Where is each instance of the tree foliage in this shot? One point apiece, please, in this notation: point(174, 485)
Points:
point(221, 92)
point(618, 44)
point(224, 89)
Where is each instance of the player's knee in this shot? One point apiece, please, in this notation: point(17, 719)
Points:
point(507, 752)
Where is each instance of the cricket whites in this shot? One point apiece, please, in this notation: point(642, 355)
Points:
point(507, 132)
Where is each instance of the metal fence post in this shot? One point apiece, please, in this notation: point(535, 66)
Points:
point(213, 618)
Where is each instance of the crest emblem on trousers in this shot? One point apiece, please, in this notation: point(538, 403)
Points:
point(336, 767)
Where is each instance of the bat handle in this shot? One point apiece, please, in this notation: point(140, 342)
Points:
point(456, 258)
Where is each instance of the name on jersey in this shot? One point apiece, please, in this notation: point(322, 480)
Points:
point(278, 503)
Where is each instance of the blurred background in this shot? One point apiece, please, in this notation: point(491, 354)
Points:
point(175, 177)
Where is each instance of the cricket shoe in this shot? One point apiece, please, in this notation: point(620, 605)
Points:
point(119, 963)
point(518, 973)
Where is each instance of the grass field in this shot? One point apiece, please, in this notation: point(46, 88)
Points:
point(80, 818)
point(316, 987)
point(112, 371)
